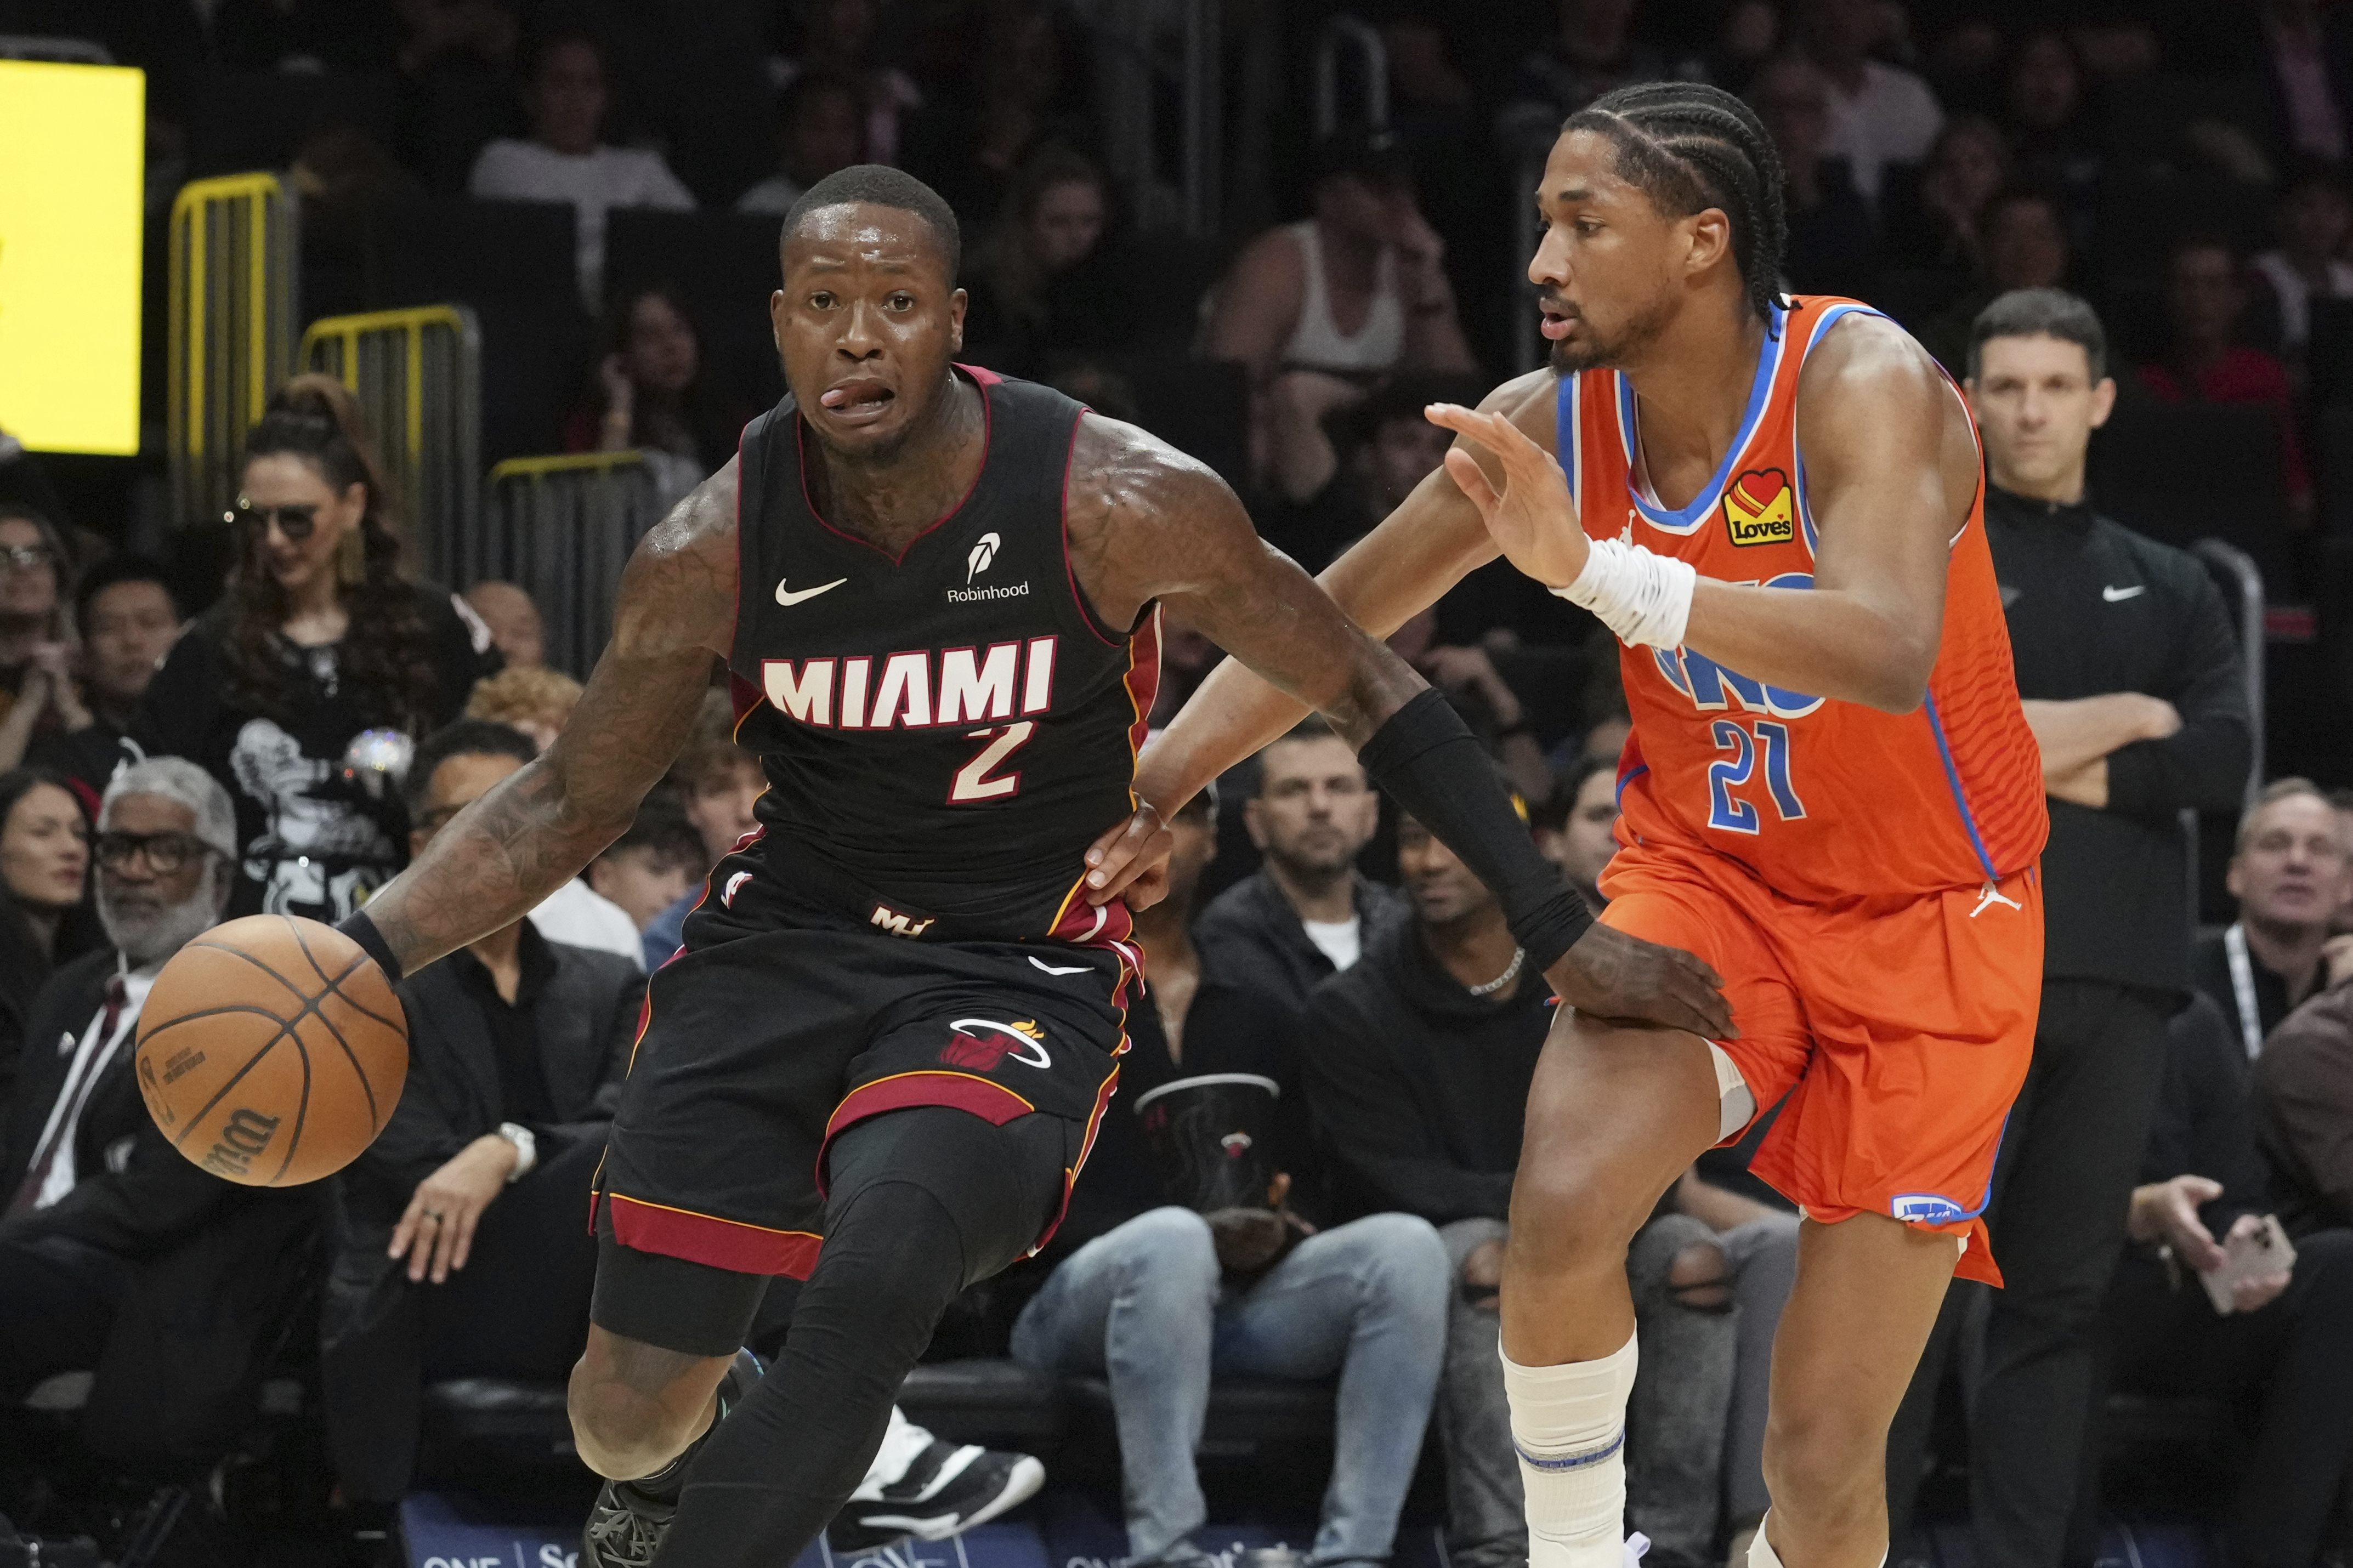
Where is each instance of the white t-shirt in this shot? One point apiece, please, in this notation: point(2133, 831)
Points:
point(594, 182)
point(578, 915)
point(1891, 118)
point(2294, 295)
point(1341, 941)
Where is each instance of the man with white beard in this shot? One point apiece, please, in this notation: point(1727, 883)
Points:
point(101, 1213)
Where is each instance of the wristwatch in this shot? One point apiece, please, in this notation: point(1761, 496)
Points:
point(526, 1147)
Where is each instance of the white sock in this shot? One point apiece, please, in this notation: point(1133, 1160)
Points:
point(1568, 1424)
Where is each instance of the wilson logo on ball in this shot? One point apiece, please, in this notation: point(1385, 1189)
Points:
point(243, 1139)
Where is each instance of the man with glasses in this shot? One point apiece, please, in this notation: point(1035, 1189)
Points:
point(107, 1234)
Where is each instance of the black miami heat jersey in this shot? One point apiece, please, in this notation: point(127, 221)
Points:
point(943, 733)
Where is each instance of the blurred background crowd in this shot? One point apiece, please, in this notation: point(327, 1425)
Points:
point(1271, 231)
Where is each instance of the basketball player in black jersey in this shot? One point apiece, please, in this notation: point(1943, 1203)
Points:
point(873, 1069)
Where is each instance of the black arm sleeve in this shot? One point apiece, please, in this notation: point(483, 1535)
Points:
point(1426, 757)
point(2203, 765)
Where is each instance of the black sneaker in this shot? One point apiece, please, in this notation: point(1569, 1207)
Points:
point(945, 1488)
point(626, 1526)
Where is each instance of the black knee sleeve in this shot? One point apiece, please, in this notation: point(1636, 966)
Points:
point(920, 1202)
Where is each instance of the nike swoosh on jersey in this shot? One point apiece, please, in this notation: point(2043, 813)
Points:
point(788, 597)
point(2114, 594)
point(1053, 969)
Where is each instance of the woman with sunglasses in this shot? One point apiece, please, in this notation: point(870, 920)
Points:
point(45, 919)
point(318, 642)
point(38, 698)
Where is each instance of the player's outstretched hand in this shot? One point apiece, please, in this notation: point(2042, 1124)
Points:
point(1131, 861)
point(1532, 519)
point(1611, 976)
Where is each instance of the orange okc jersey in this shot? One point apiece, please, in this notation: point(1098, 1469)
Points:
point(1822, 800)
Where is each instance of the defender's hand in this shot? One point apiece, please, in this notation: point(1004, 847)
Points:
point(1610, 975)
point(1532, 518)
point(1131, 861)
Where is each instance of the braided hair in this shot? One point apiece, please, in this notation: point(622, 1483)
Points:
point(1689, 146)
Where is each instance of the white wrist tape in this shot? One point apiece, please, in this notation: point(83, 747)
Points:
point(1644, 598)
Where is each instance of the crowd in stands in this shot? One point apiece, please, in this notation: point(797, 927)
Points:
point(2083, 210)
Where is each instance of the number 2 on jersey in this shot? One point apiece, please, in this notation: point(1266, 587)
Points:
point(1728, 774)
point(973, 782)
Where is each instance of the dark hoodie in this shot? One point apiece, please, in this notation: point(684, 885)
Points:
point(1418, 1089)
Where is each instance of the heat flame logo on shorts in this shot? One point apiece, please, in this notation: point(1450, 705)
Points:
point(981, 1044)
point(1758, 509)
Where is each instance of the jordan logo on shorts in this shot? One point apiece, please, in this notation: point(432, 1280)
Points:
point(981, 1043)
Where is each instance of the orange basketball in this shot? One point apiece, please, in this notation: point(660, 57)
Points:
point(271, 1050)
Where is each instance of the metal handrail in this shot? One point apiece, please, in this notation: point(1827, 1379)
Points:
point(1373, 62)
point(231, 327)
point(417, 373)
point(562, 528)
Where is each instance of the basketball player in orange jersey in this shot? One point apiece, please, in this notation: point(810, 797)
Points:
point(1830, 795)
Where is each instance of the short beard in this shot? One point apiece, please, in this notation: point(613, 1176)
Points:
point(1641, 331)
point(146, 938)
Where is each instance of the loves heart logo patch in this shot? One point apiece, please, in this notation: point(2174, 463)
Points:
point(1761, 509)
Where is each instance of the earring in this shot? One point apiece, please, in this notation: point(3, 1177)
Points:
point(350, 557)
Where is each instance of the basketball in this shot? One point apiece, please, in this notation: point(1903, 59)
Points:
point(271, 1050)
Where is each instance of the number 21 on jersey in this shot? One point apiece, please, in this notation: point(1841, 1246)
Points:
point(1769, 750)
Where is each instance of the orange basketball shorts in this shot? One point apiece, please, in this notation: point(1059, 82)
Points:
point(1899, 1029)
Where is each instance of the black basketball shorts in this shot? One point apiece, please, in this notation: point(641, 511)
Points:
point(782, 1020)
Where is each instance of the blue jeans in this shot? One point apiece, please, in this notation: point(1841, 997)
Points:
point(1144, 1306)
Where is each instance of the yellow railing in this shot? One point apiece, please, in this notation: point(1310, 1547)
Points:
point(233, 261)
point(417, 374)
point(562, 528)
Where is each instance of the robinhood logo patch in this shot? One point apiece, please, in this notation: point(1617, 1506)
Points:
point(1761, 509)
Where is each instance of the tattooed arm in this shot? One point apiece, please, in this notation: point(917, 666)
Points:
point(532, 833)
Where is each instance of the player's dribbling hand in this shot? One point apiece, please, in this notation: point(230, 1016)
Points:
point(1131, 861)
point(1610, 975)
point(1532, 518)
point(437, 1230)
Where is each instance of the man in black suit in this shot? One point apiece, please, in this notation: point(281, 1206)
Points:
point(118, 1256)
point(462, 1247)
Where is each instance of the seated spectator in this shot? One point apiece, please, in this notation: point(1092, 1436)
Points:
point(1016, 92)
point(1163, 1300)
point(650, 395)
point(718, 782)
point(565, 158)
point(1339, 458)
point(1831, 247)
point(1880, 113)
point(1577, 827)
point(517, 630)
point(1418, 1064)
point(820, 127)
point(1593, 50)
point(653, 864)
point(2205, 298)
point(2279, 1353)
point(1968, 164)
point(2315, 219)
point(1042, 285)
point(534, 699)
point(118, 1253)
point(2304, 1113)
point(836, 37)
point(128, 618)
point(1357, 287)
point(1496, 712)
point(2025, 247)
point(457, 84)
point(44, 868)
point(2288, 873)
point(319, 644)
point(2053, 145)
point(35, 641)
point(459, 1251)
point(1307, 912)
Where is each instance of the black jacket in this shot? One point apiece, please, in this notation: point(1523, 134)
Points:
point(221, 1266)
point(2094, 608)
point(1250, 936)
point(1416, 1087)
point(585, 1016)
point(2205, 1123)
